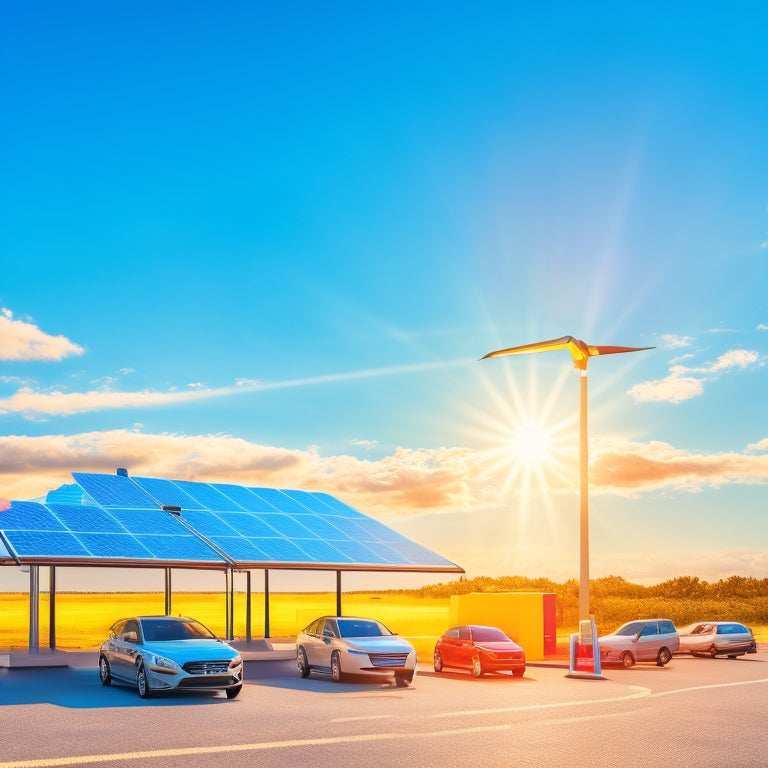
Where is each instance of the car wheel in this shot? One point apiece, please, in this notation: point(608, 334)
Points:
point(232, 692)
point(626, 660)
point(713, 651)
point(302, 663)
point(663, 656)
point(142, 683)
point(518, 672)
point(732, 655)
point(336, 673)
point(105, 675)
point(402, 681)
point(438, 661)
point(477, 667)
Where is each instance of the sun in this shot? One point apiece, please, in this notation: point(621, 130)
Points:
point(532, 443)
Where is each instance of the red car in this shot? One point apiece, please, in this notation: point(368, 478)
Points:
point(481, 649)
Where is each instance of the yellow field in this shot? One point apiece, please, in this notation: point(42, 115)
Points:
point(82, 619)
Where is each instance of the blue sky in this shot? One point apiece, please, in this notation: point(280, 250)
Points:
point(268, 244)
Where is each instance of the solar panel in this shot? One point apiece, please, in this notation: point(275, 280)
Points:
point(149, 521)
point(114, 491)
point(208, 497)
point(118, 518)
point(247, 524)
point(243, 497)
point(86, 519)
point(48, 544)
point(29, 515)
point(281, 501)
point(167, 493)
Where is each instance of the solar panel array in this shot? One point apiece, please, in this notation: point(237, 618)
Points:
point(142, 520)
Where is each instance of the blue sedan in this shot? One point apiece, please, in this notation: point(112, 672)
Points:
point(164, 653)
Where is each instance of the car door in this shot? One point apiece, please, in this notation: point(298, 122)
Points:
point(312, 642)
point(449, 646)
point(465, 650)
point(126, 645)
point(648, 642)
point(110, 647)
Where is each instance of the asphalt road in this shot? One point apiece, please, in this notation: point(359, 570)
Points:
point(697, 713)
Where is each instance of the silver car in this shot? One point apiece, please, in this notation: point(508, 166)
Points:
point(342, 645)
point(164, 653)
point(713, 638)
point(641, 640)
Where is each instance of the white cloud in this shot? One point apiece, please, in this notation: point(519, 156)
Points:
point(20, 340)
point(673, 389)
point(762, 327)
point(671, 341)
point(735, 358)
point(683, 383)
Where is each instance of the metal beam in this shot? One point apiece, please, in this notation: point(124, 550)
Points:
point(34, 608)
point(52, 608)
point(248, 606)
point(168, 592)
point(266, 603)
point(338, 594)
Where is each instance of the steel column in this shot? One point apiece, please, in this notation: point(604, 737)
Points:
point(34, 608)
point(52, 608)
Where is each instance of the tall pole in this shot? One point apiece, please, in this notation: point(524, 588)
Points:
point(580, 352)
point(584, 501)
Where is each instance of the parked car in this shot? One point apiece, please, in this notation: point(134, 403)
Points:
point(342, 645)
point(164, 653)
point(480, 649)
point(641, 640)
point(713, 638)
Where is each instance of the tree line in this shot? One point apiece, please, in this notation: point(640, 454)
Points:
point(614, 600)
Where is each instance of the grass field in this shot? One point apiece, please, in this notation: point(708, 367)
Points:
point(82, 619)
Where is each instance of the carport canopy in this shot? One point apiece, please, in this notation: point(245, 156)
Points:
point(124, 521)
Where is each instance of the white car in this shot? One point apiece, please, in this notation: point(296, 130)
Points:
point(641, 640)
point(165, 653)
point(710, 638)
point(342, 645)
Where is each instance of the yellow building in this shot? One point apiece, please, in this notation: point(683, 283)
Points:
point(529, 618)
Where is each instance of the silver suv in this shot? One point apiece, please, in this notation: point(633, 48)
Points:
point(642, 640)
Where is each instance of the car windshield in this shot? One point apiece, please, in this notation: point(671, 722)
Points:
point(168, 630)
point(361, 628)
point(488, 635)
point(632, 628)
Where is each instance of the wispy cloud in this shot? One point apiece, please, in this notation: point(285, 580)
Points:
point(683, 382)
point(23, 340)
point(30, 402)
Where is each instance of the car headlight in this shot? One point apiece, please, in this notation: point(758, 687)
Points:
point(161, 664)
point(235, 662)
point(356, 653)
